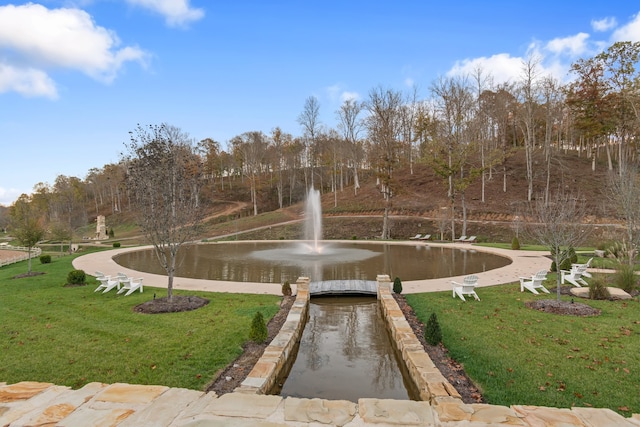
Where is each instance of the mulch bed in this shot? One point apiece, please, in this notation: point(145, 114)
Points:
point(178, 303)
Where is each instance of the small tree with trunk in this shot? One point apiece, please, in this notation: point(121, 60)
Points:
point(27, 225)
point(164, 177)
point(557, 224)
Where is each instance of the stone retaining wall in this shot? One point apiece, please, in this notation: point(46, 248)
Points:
point(431, 384)
point(263, 376)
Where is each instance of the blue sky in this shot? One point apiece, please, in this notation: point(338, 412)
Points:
point(77, 76)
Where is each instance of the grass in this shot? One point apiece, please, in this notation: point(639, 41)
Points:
point(521, 356)
point(71, 335)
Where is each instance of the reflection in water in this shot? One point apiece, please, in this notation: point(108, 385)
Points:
point(345, 353)
point(277, 262)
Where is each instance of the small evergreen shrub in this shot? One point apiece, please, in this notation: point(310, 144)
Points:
point(598, 289)
point(397, 285)
point(625, 278)
point(572, 256)
point(45, 259)
point(111, 233)
point(258, 332)
point(116, 244)
point(286, 289)
point(515, 244)
point(76, 277)
point(432, 331)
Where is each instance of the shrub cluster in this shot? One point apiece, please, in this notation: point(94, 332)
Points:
point(45, 259)
point(76, 277)
point(286, 289)
point(116, 244)
point(432, 331)
point(625, 278)
point(515, 244)
point(258, 332)
point(397, 285)
point(598, 289)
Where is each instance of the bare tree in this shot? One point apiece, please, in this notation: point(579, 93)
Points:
point(557, 224)
point(27, 224)
point(625, 197)
point(164, 176)
point(383, 124)
point(251, 148)
point(528, 91)
point(351, 125)
point(309, 119)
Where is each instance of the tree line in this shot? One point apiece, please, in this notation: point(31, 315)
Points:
point(466, 130)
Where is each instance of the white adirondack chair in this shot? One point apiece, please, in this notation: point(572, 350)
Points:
point(107, 283)
point(467, 287)
point(534, 282)
point(130, 285)
point(585, 265)
point(574, 276)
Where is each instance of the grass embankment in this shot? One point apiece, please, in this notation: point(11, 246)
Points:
point(72, 336)
point(521, 356)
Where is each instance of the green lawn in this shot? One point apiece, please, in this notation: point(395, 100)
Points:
point(521, 356)
point(72, 336)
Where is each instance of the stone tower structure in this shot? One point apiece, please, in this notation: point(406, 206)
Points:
point(101, 228)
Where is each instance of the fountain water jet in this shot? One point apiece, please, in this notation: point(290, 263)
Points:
point(313, 220)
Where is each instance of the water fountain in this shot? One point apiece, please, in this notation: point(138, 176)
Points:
point(313, 220)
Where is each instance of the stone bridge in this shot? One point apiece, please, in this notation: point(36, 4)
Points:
point(343, 287)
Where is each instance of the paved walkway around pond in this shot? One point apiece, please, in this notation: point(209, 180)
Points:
point(524, 263)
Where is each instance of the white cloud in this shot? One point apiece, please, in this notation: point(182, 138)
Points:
point(572, 46)
point(337, 93)
point(177, 13)
point(603, 24)
point(26, 81)
point(629, 32)
point(502, 67)
point(8, 196)
point(346, 95)
point(40, 39)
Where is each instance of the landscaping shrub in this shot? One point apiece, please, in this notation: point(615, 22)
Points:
point(45, 259)
point(515, 244)
point(116, 244)
point(258, 332)
point(286, 289)
point(432, 331)
point(625, 278)
point(76, 277)
point(598, 289)
point(111, 233)
point(397, 285)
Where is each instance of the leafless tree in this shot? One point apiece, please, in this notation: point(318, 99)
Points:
point(351, 125)
point(383, 125)
point(624, 195)
point(557, 224)
point(528, 94)
point(309, 119)
point(250, 148)
point(27, 224)
point(164, 176)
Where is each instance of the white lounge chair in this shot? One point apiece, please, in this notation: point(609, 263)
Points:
point(574, 276)
point(425, 237)
point(416, 237)
point(534, 282)
point(470, 239)
point(585, 265)
point(130, 285)
point(461, 238)
point(107, 283)
point(467, 287)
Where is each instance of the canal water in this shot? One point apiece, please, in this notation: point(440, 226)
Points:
point(346, 353)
